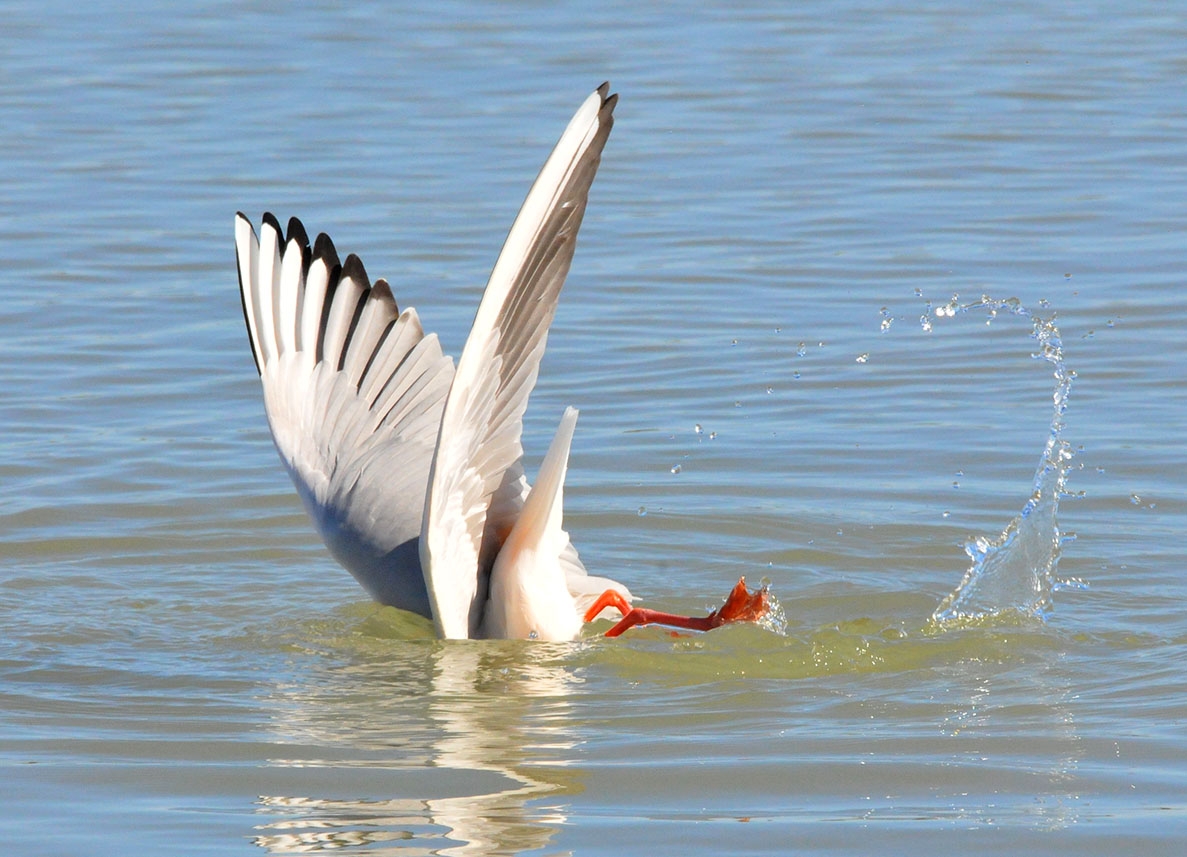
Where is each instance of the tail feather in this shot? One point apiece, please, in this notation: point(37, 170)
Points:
point(539, 524)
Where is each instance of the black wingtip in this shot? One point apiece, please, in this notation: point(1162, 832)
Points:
point(353, 269)
point(381, 291)
point(324, 249)
point(269, 219)
point(296, 232)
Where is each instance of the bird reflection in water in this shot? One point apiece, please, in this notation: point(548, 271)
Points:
point(478, 759)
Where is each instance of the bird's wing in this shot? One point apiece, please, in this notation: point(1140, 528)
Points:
point(477, 485)
point(354, 392)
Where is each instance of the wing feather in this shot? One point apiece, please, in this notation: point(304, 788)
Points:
point(292, 286)
point(401, 339)
point(354, 392)
point(247, 254)
point(476, 484)
point(266, 284)
point(378, 315)
point(346, 305)
point(324, 267)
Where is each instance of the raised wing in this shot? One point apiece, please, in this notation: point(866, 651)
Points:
point(476, 484)
point(354, 391)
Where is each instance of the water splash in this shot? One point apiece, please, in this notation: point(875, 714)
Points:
point(774, 619)
point(1013, 575)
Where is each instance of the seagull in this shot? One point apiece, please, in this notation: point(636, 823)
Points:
point(410, 468)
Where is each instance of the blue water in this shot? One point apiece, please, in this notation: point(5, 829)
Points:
point(786, 194)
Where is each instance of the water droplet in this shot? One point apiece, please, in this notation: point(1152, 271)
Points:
point(801, 350)
point(712, 435)
point(697, 428)
point(676, 468)
point(642, 511)
point(532, 635)
point(945, 514)
point(770, 390)
point(863, 357)
point(733, 342)
point(1135, 499)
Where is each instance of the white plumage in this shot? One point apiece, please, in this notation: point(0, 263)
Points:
point(412, 471)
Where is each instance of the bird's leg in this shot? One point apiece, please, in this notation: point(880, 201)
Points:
point(609, 598)
point(632, 616)
point(741, 605)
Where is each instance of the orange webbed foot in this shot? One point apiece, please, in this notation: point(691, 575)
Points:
point(742, 605)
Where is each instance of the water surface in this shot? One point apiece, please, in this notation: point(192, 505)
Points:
point(786, 193)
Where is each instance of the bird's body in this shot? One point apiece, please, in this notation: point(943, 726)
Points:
point(412, 470)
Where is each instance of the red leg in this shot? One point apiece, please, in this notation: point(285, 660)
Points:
point(609, 598)
point(741, 605)
point(632, 616)
point(643, 616)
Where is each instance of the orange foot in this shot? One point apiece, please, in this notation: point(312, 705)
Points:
point(741, 605)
